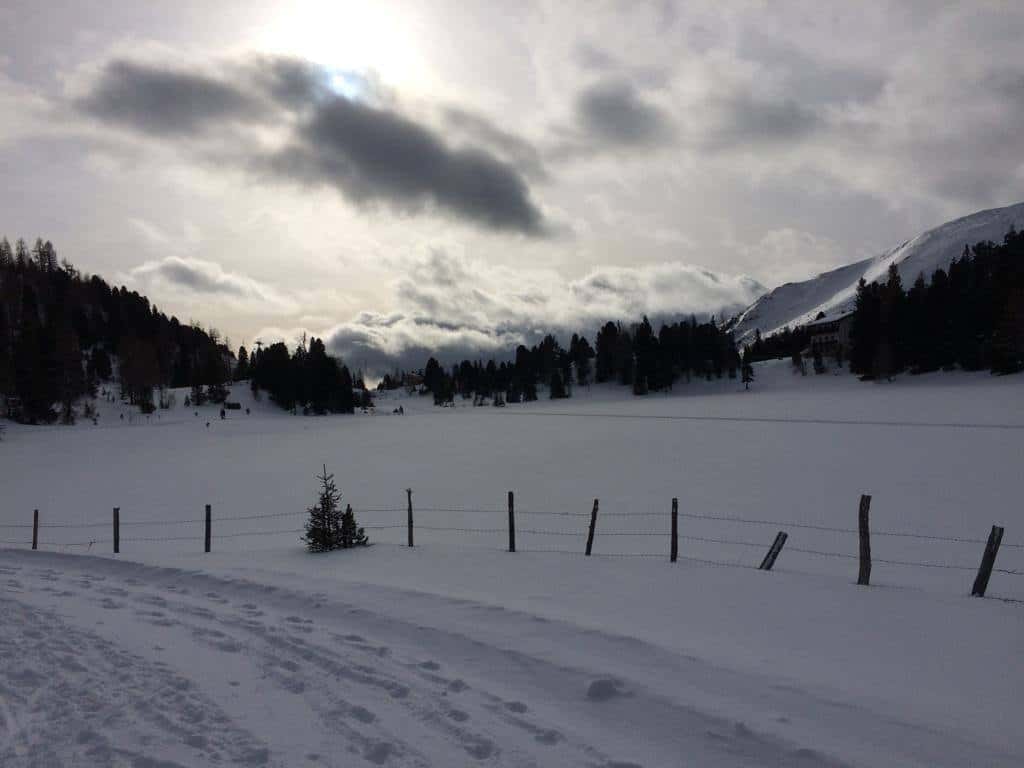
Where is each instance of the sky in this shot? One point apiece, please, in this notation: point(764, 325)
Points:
point(407, 177)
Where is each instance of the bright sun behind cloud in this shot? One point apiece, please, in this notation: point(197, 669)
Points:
point(349, 36)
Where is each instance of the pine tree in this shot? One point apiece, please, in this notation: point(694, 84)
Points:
point(557, 389)
point(39, 256)
point(70, 378)
point(351, 534)
point(21, 255)
point(140, 372)
point(865, 330)
point(748, 368)
point(50, 257)
point(324, 528)
point(242, 367)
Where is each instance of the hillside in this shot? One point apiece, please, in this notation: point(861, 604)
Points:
point(833, 292)
point(64, 335)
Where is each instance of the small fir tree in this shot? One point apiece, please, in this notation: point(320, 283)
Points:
point(324, 527)
point(351, 534)
point(748, 369)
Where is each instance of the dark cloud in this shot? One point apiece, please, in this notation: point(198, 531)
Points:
point(188, 276)
point(375, 155)
point(743, 118)
point(368, 153)
point(614, 112)
point(293, 83)
point(196, 277)
point(513, 149)
point(165, 102)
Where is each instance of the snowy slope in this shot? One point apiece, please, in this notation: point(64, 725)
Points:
point(833, 292)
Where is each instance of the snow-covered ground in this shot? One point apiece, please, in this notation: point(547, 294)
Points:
point(459, 653)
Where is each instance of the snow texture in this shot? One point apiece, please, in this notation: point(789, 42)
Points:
point(459, 653)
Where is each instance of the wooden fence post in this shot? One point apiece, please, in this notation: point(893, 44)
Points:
point(988, 559)
point(209, 525)
point(511, 523)
point(593, 524)
point(674, 553)
point(35, 529)
point(773, 551)
point(864, 575)
point(408, 496)
point(117, 530)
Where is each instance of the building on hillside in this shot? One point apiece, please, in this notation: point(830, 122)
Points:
point(831, 335)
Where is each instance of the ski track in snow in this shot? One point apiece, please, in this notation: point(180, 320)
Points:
point(117, 663)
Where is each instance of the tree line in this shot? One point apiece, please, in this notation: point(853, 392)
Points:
point(307, 379)
point(633, 356)
point(969, 316)
point(63, 334)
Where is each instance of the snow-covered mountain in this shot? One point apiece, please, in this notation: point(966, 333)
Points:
point(834, 292)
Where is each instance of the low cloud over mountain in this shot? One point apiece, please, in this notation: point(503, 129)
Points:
point(458, 307)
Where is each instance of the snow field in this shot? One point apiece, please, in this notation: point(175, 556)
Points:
point(565, 660)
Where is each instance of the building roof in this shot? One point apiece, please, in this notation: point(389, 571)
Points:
point(830, 319)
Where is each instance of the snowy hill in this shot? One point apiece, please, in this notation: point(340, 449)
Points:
point(833, 292)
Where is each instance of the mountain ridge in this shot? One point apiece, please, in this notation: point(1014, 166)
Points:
point(834, 292)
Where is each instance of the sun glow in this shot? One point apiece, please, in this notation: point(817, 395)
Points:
point(349, 37)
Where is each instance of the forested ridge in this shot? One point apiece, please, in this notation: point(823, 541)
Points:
point(970, 316)
point(63, 332)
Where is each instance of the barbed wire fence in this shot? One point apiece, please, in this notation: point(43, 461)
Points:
point(559, 527)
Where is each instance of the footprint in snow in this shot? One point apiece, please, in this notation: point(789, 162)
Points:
point(362, 714)
point(379, 753)
point(480, 748)
point(547, 737)
point(605, 689)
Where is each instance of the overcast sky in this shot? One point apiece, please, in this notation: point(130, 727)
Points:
point(407, 176)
